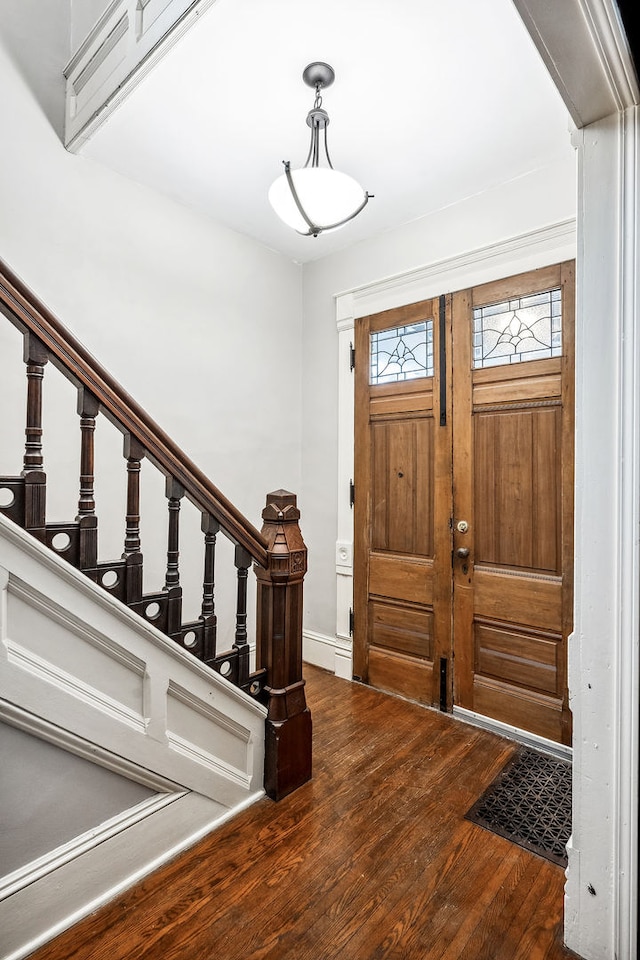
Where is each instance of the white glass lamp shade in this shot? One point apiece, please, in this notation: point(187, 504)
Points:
point(328, 197)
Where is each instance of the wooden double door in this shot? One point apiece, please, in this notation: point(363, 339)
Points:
point(463, 552)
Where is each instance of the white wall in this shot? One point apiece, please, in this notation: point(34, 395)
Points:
point(200, 324)
point(36, 36)
point(544, 197)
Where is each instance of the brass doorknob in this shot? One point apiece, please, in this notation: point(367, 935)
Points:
point(462, 552)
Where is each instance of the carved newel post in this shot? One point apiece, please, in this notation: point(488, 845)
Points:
point(279, 647)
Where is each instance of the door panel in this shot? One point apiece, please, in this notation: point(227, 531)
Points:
point(513, 485)
point(517, 658)
point(525, 709)
point(402, 494)
point(402, 628)
point(517, 478)
point(398, 673)
point(514, 598)
point(399, 459)
point(464, 501)
point(401, 577)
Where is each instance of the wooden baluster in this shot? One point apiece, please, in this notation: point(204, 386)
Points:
point(134, 452)
point(279, 647)
point(35, 480)
point(210, 528)
point(88, 408)
point(241, 644)
point(174, 493)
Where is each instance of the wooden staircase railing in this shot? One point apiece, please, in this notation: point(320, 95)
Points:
point(277, 551)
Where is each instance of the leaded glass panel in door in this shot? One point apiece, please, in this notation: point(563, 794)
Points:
point(402, 353)
point(517, 330)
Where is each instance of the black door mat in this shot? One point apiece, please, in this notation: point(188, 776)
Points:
point(529, 803)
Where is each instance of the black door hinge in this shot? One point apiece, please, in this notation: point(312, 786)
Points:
point(350, 621)
point(352, 493)
point(352, 356)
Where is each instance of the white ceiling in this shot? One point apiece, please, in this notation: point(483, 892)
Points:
point(434, 101)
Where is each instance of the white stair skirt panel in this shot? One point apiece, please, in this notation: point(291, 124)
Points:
point(81, 671)
point(76, 657)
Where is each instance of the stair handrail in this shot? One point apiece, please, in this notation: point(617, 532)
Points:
point(278, 550)
point(17, 302)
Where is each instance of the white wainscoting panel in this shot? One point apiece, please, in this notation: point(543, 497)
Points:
point(75, 657)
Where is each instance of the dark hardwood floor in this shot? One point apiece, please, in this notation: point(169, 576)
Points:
point(372, 859)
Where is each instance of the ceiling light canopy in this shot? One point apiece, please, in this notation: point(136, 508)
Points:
point(316, 198)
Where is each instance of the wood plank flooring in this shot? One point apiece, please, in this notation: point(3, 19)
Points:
point(372, 859)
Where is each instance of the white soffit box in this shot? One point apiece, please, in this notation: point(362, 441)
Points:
point(584, 47)
point(125, 43)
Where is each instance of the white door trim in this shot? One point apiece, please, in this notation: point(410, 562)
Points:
point(602, 878)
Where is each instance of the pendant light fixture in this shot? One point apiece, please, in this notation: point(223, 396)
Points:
point(316, 198)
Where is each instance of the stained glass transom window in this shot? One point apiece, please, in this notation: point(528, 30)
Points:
point(527, 328)
point(402, 353)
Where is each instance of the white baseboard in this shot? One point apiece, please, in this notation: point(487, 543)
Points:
point(78, 846)
point(514, 733)
point(41, 911)
point(330, 653)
